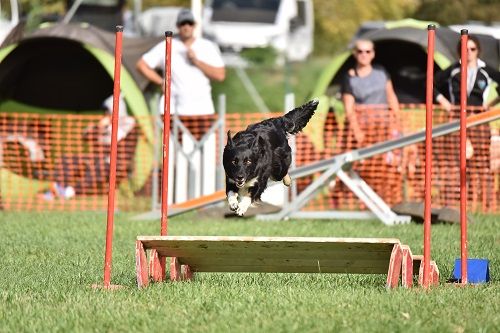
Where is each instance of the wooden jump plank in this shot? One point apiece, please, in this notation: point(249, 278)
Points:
point(285, 265)
point(192, 254)
point(259, 239)
point(267, 244)
point(276, 254)
point(288, 269)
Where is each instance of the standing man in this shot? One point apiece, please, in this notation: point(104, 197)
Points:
point(195, 62)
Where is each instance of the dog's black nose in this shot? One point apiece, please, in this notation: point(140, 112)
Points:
point(240, 178)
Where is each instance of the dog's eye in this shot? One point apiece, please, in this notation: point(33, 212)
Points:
point(235, 162)
point(248, 162)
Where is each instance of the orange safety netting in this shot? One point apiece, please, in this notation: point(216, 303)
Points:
point(398, 175)
point(61, 162)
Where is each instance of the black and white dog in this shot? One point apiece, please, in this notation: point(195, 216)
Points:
point(259, 153)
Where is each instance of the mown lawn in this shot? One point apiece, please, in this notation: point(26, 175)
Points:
point(49, 261)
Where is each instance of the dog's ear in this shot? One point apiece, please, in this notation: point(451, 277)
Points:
point(259, 145)
point(229, 139)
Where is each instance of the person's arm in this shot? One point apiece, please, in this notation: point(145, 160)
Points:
point(212, 72)
point(349, 107)
point(149, 73)
point(392, 101)
point(440, 79)
point(349, 104)
point(495, 76)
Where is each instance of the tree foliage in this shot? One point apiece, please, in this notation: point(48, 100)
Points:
point(448, 12)
point(335, 20)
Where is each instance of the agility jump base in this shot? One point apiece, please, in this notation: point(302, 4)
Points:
point(193, 254)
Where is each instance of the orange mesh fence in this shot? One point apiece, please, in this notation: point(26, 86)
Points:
point(399, 174)
point(61, 162)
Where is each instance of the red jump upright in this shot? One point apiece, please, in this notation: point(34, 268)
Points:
point(431, 31)
point(112, 167)
point(463, 160)
point(157, 264)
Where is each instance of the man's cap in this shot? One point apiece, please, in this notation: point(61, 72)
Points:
point(185, 15)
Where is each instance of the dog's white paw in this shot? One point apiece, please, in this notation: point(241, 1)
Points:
point(243, 206)
point(240, 211)
point(233, 203)
point(232, 200)
point(287, 180)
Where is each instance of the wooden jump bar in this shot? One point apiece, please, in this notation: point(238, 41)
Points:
point(191, 254)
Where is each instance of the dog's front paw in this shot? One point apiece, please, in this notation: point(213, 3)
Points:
point(243, 206)
point(240, 211)
point(233, 203)
point(287, 180)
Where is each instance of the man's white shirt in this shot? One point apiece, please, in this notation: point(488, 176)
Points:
point(191, 89)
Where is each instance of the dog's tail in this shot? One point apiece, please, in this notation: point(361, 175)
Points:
point(298, 118)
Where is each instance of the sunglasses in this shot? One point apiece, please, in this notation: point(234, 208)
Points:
point(190, 23)
point(364, 51)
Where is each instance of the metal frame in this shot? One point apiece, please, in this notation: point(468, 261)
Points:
point(179, 127)
point(340, 166)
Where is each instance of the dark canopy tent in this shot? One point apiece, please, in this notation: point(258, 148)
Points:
point(67, 67)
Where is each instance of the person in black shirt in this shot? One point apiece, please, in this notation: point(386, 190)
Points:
point(480, 78)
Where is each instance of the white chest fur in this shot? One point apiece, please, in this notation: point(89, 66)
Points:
point(241, 202)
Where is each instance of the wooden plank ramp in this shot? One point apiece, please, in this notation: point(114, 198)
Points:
point(193, 254)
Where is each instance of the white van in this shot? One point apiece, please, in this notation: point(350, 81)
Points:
point(286, 25)
point(9, 17)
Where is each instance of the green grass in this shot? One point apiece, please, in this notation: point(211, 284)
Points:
point(49, 261)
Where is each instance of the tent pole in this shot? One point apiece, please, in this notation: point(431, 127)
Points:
point(71, 12)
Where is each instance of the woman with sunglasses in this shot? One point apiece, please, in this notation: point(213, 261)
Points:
point(479, 79)
point(447, 93)
point(366, 84)
point(372, 111)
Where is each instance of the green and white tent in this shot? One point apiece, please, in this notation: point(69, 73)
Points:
point(68, 69)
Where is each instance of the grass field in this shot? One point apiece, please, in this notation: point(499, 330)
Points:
point(49, 261)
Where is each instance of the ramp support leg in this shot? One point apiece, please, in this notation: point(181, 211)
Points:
point(175, 269)
point(434, 274)
point(394, 267)
point(179, 272)
point(407, 267)
point(156, 272)
point(141, 265)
